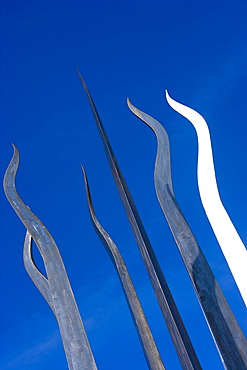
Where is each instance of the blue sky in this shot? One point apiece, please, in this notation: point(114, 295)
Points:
point(137, 49)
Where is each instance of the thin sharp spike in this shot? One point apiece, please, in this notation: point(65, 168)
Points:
point(164, 297)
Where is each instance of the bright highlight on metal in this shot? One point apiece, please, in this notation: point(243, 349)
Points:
point(230, 340)
point(146, 338)
point(55, 288)
point(232, 246)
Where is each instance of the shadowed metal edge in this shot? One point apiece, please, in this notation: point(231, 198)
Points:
point(77, 348)
point(37, 277)
point(230, 340)
point(177, 330)
point(146, 338)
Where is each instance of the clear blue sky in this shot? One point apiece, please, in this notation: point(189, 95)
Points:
point(196, 50)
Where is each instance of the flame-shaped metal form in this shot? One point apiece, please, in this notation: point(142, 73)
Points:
point(146, 338)
point(179, 335)
point(55, 288)
point(232, 246)
point(228, 336)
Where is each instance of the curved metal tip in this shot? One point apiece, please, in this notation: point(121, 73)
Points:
point(78, 72)
point(82, 81)
point(15, 158)
point(16, 151)
point(168, 98)
point(86, 185)
point(133, 108)
point(182, 109)
point(9, 177)
point(128, 102)
point(84, 173)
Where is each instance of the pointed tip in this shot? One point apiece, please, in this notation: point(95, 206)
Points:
point(9, 177)
point(83, 169)
point(16, 151)
point(83, 82)
point(84, 173)
point(77, 70)
point(80, 76)
point(169, 100)
point(130, 105)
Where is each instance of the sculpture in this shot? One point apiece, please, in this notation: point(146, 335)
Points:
point(232, 246)
point(230, 340)
point(149, 347)
point(56, 289)
point(177, 330)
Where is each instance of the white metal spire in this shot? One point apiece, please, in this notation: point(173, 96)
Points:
point(232, 246)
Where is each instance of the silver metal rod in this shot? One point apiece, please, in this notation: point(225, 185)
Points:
point(146, 338)
point(76, 345)
point(228, 336)
point(181, 341)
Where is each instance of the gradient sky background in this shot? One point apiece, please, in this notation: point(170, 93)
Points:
point(195, 49)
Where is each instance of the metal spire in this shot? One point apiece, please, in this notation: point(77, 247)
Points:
point(146, 338)
point(231, 245)
point(177, 330)
point(228, 336)
point(55, 287)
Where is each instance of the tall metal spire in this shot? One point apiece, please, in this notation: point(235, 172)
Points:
point(55, 288)
point(228, 336)
point(177, 330)
point(146, 338)
point(231, 245)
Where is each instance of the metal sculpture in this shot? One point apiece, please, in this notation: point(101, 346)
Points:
point(178, 333)
point(232, 246)
point(55, 288)
point(148, 344)
point(37, 277)
point(230, 340)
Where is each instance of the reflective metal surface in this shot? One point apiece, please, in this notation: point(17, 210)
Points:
point(230, 242)
point(55, 288)
point(228, 336)
point(37, 277)
point(146, 338)
point(178, 333)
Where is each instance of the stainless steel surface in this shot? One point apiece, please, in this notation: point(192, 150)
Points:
point(38, 278)
point(146, 338)
point(228, 336)
point(55, 288)
point(178, 333)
